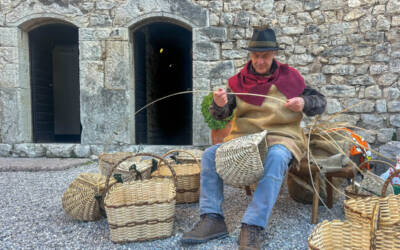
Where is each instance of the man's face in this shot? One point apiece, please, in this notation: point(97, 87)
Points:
point(262, 61)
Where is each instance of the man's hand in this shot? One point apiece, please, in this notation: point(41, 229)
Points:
point(220, 97)
point(295, 104)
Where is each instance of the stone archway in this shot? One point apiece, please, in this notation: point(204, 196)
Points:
point(163, 65)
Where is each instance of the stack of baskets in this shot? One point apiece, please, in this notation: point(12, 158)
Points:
point(140, 210)
point(372, 223)
point(81, 200)
point(187, 175)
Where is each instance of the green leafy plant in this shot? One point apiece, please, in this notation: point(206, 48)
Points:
point(211, 121)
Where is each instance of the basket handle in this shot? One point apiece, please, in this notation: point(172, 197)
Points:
point(129, 157)
point(376, 214)
point(183, 151)
point(389, 180)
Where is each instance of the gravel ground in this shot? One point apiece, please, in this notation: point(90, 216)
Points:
point(31, 216)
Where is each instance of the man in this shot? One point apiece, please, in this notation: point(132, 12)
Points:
point(265, 76)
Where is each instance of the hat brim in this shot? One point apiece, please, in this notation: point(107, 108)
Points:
point(263, 49)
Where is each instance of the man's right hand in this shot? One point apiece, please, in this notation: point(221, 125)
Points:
point(220, 97)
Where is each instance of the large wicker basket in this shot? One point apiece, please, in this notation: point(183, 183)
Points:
point(127, 170)
point(338, 235)
point(82, 198)
point(141, 210)
point(239, 162)
point(187, 177)
point(361, 210)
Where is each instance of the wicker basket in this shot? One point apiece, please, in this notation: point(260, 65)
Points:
point(187, 175)
point(194, 156)
point(239, 162)
point(127, 170)
point(361, 210)
point(338, 235)
point(141, 210)
point(82, 198)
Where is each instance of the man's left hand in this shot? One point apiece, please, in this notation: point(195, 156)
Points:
point(295, 104)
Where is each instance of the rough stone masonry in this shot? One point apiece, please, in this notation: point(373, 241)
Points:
point(348, 49)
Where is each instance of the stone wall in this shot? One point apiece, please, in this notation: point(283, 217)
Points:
point(348, 49)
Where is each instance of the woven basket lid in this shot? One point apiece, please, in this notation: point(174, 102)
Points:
point(155, 190)
point(389, 208)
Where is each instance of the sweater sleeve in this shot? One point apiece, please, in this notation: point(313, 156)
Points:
point(220, 113)
point(314, 102)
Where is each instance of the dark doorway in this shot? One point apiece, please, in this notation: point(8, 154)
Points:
point(163, 65)
point(54, 71)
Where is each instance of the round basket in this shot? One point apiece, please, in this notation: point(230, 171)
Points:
point(239, 162)
point(82, 198)
point(141, 210)
point(187, 178)
point(126, 170)
point(194, 156)
point(360, 211)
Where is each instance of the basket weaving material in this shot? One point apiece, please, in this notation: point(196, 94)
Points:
point(194, 156)
point(79, 200)
point(354, 192)
point(187, 178)
point(141, 210)
point(335, 235)
point(373, 184)
point(239, 162)
point(124, 169)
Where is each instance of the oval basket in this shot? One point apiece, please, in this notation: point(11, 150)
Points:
point(239, 162)
point(82, 198)
point(187, 177)
point(141, 210)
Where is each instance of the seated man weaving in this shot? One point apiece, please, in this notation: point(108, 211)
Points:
point(265, 76)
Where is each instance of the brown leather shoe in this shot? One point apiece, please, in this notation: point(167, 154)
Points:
point(209, 227)
point(249, 238)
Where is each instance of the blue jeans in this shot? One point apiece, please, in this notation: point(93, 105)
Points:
point(265, 195)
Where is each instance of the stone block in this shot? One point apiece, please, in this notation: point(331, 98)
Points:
point(363, 69)
point(390, 149)
point(376, 69)
point(30, 150)
point(312, 4)
point(8, 37)
point(97, 149)
point(293, 30)
point(393, 106)
point(8, 55)
point(339, 51)
point(395, 120)
point(206, 51)
point(359, 106)
point(338, 91)
point(332, 4)
point(354, 14)
point(59, 150)
point(264, 6)
point(396, 20)
point(201, 131)
point(81, 151)
point(91, 76)
point(391, 93)
point(372, 121)
point(222, 69)
point(387, 79)
point(373, 92)
point(100, 20)
point(333, 106)
point(294, 6)
point(337, 80)
point(5, 150)
point(95, 34)
point(316, 80)
point(197, 14)
point(234, 54)
point(227, 19)
point(394, 66)
point(381, 106)
point(105, 117)
point(377, 37)
point(91, 50)
point(349, 119)
point(338, 69)
point(302, 59)
point(237, 33)
point(201, 83)
point(117, 68)
point(382, 23)
point(393, 7)
point(9, 75)
point(243, 19)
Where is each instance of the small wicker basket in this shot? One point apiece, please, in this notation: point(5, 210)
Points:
point(360, 211)
point(187, 175)
point(126, 170)
point(141, 210)
point(82, 198)
point(194, 156)
point(239, 162)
